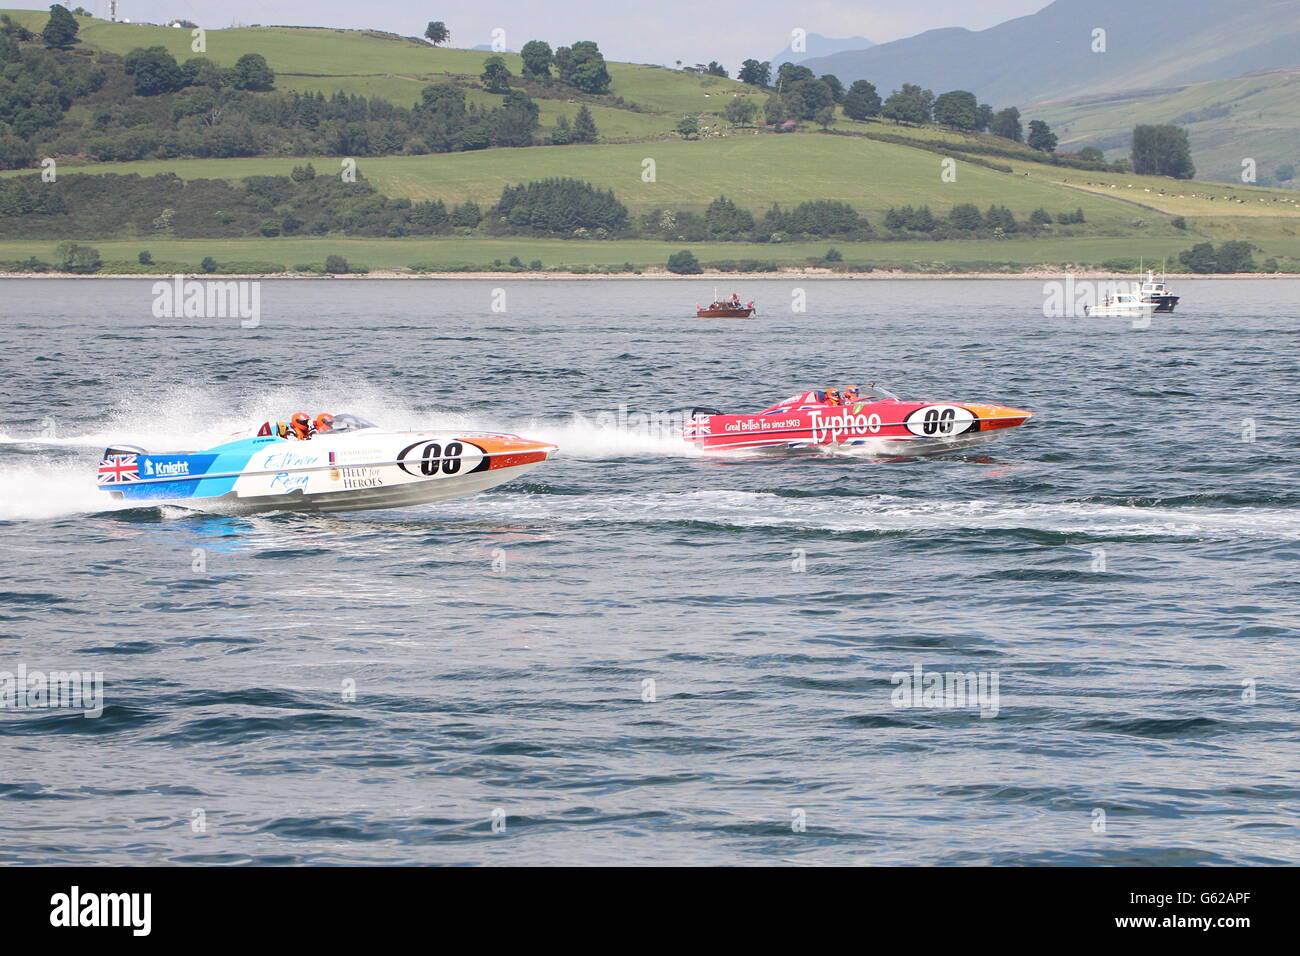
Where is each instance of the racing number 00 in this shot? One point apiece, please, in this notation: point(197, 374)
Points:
point(938, 421)
point(434, 458)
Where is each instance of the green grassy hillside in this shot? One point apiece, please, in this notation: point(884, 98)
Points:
point(1255, 116)
point(753, 171)
point(384, 64)
point(1127, 216)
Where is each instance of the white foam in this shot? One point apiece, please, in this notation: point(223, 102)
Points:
point(887, 513)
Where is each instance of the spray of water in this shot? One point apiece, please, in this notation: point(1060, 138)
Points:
point(48, 471)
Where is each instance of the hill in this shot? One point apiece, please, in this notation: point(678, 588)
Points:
point(1049, 54)
point(1253, 116)
point(816, 45)
point(411, 202)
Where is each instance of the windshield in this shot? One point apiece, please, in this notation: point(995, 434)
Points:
point(875, 391)
point(345, 422)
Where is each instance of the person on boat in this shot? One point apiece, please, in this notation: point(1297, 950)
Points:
point(300, 426)
point(832, 397)
point(324, 422)
point(850, 395)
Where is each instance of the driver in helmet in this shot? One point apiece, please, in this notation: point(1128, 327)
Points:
point(300, 426)
point(324, 423)
point(832, 397)
point(850, 395)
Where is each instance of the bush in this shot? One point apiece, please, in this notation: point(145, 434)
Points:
point(208, 264)
point(336, 265)
point(145, 258)
point(74, 257)
point(684, 263)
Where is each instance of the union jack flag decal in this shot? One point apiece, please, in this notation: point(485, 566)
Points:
point(119, 468)
point(696, 427)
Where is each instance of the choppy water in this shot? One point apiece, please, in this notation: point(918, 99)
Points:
point(1126, 565)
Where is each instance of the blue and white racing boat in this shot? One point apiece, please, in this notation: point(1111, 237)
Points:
point(355, 466)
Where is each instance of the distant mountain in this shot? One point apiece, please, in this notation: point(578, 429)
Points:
point(817, 45)
point(1049, 54)
point(487, 48)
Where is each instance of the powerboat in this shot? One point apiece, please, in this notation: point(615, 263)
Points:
point(725, 308)
point(877, 421)
point(355, 466)
point(1121, 305)
point(1156, 291)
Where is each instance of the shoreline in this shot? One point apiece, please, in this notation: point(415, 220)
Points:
point(879, 274)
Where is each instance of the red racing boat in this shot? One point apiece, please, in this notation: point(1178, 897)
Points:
point(876, 421)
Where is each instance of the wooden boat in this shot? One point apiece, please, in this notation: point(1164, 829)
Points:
point(725, 308)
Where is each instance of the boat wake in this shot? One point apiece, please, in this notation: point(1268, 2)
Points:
point(889, 513)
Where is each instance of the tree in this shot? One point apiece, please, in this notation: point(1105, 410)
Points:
point(1000, 217)
point(1091, 154)
point(1162, 151)
point(145, 258)
point(1006, 123)
point(436, 32)
point(537, 57)
point(584, 127)
point(253, 73)
point(336, 265)
point(1041, 136)
point(1200, 258)
point(907, 105)
point(155, 71)
point(824, 117)
point(496, 75)
point(684, 263)
point(208, 264)
point(724, 218)
point(61, 29)
point(773, 110)
point(861, 101)
point(1234, 256)
point(15, 153)
point(957, 108)
point(755, 73)
point(740, 111)
point(583, 67)
point(804, 97)
point(563, 134)
point(966, 216)
point(792, 73)
point(1040, 217)
point(688, 127)
point(716, 69)
point(74, 257)
point(836, 87)
point(984, 117)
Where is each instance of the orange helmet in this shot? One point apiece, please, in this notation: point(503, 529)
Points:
point(300, 424)
point(324, 422)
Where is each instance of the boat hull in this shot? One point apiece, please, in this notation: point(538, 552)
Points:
point(724, 313)
point(887, 427)
point(357, 472)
